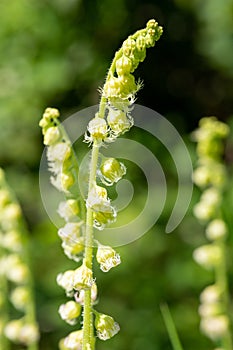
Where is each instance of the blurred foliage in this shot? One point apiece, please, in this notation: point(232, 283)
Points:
point(56, 53)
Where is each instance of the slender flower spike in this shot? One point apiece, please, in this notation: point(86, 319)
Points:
point(107, 258)
point(120, 85)
point(105, 326)
point(112, 120)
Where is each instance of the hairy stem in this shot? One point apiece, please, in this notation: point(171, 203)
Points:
point(87, 313)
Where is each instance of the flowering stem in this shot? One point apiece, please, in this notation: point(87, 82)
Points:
point(88, 335)
point(221, 281)
point(4, 310)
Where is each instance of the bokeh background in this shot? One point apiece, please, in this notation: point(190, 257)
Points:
point(56, 53)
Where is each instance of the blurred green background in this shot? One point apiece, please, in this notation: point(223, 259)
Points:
point(56, 53)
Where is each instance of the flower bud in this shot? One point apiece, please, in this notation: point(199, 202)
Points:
point(29, 334)
point(111, 171)
point(119, 121)
point(69, 209)
point(97, 128)
point(70, 232)
point(20, 297)
point(105, 326)
point(72, 342)
point(128, 47)
point(101, 219)
point(107, 258)
point(65, 280)
point(16, 270)
point(51, 113)
point(216, 229)
point(12, 212)
point(97, 199)
point(67, 181)
point(48, 117)
point(51, 135)
point(203, 211)
point(208, 256)
point(141, 48)
point(211, 196)
point(209, 310)
point(123, 65)
point(13, 329)
point(82, 278)
point(59, 152)
point(201, 176)
point(12, 241)
point(210, 294)
point(70, 311)
point(73, 248)
point(215, 327)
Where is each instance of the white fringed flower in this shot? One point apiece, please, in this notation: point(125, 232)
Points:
point(105, 326)
point(83, 278)
point(107, 258)
point(97, 130)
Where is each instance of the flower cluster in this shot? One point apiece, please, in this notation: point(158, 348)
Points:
point(61, 158)
point(210, 176)
point(120, 88)
point(120, 84)
point(14, 267)
point(59, 152)
point(96, 210)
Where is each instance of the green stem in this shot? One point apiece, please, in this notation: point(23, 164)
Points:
point(221, 281)
point(88, 333)
point(170, 326)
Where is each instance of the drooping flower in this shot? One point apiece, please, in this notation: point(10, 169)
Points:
point(70, 311)
point(105, 326)
point(107, 258)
